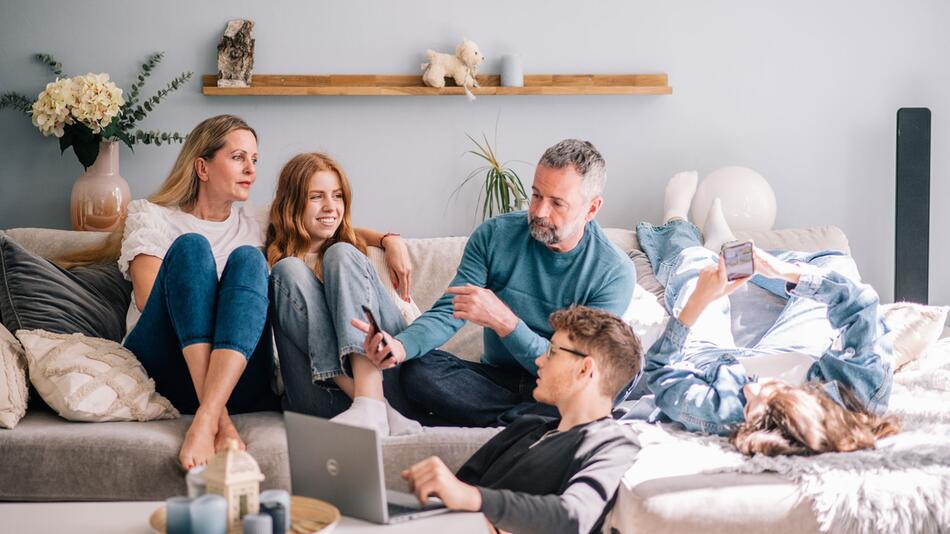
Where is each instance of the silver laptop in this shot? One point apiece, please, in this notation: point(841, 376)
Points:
point(343, 465)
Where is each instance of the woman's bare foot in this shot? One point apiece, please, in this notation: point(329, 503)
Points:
point(198, 446)
point(227, 431)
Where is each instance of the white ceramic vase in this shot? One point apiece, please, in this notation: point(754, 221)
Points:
point(100, 196)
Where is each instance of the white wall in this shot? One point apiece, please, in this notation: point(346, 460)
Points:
point(804, 92)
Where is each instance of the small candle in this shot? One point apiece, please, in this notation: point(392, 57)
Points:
point(178, 515)
point(278, 496)
point(257, 524)
point(209, 515)
point(195, 481)
point(278, 515)
point(512, 74)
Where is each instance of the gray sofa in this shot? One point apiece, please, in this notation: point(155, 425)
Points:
point(48, 458)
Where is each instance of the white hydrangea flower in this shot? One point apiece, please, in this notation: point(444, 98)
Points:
point(98, 100)
point(51, 111)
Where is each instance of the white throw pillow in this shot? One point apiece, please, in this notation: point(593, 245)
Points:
point(91, 379)
point(646, 316)
point(13, 390)
point(917, 326)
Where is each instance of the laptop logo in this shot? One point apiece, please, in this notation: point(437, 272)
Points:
point(332, 467)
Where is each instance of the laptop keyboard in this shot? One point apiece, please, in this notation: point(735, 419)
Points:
point(397, 509)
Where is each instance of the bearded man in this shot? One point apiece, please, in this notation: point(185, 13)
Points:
point(516, 270)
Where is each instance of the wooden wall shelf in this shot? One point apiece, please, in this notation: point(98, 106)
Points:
point(411, 85)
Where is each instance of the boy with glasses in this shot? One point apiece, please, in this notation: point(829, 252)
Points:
point(552, 475)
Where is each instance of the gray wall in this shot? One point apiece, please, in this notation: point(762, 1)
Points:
point(804, 92)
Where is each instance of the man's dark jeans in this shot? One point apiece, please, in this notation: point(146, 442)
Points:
point(464, 393)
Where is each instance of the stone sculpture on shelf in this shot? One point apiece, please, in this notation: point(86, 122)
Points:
point(236, 54)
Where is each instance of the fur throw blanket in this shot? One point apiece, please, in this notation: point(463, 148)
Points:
point(902, 486)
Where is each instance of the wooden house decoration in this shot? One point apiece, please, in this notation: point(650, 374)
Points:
point(235, 475)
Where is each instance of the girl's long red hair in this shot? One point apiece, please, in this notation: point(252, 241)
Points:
point(286, 234)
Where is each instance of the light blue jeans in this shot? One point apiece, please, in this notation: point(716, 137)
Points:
point(696, 373)
point(312, 326)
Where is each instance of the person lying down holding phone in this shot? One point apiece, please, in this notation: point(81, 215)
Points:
point(818, 380)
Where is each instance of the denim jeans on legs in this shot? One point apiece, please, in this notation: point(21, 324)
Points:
point(188, 305)
point(313, 331)
point(467, 393)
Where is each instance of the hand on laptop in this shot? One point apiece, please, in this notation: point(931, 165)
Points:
point(384, 356)
point(432, 478)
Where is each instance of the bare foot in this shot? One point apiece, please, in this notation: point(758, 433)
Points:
point(198, 446)
point(227, 432)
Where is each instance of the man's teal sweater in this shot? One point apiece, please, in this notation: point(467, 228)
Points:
point(533, 281)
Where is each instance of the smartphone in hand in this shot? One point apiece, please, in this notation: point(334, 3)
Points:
point(373, 325)
point(737, 256)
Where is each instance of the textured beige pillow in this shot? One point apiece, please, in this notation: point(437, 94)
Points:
point(13, 391)
point(917, 326)
point(91, 379)
point(377, 258)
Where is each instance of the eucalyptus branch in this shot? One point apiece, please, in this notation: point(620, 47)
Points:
point(146, 71)
point(16, 101)
point(141, 111)
point(156, 137)
point(55, 66)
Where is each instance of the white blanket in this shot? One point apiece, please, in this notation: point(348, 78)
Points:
point(902, 486)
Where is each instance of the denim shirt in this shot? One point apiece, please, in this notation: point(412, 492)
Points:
point(704, 391)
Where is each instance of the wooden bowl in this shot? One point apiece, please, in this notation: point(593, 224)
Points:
point(307, 516)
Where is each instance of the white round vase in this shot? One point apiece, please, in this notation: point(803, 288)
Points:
point(748, 201)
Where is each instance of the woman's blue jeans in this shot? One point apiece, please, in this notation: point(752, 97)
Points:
point(188, 305)
point(313, 331)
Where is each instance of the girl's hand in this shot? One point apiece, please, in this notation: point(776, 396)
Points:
point(711, 284)
point(400, 268)
point(771, 267)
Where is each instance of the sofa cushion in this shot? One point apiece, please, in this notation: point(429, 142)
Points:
point(717, 503)
point(91, 379)
point(36, 294)
point(13, 391)
point(46, 458)
point(916, 328)
point(454, 445)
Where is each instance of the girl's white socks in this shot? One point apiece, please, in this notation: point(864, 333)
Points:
point(716, 231)
point(679, 195)
point(367, 413)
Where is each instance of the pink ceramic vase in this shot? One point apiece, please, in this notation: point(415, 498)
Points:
point(100, 196)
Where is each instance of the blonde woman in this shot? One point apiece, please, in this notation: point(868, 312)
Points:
point(198, 316)
point(321, 279)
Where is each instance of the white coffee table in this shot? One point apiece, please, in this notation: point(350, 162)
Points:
point(132, 518)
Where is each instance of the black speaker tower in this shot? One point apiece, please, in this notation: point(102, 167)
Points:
point(912, 229)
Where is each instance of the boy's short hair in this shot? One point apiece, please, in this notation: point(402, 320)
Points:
point(607, 338)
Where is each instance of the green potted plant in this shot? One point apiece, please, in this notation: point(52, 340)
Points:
point(92, 115)
point(502, 190)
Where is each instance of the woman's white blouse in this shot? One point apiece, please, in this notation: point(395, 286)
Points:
point(150, 229)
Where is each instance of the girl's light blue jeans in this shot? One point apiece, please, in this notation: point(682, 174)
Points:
point(313, 331)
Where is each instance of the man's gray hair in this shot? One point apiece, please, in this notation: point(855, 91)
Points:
point(585, 159)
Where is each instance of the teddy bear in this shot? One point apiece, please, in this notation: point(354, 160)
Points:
point(462, 67)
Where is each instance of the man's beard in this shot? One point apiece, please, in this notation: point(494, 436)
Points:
point(543, 230)
point(548, 234)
